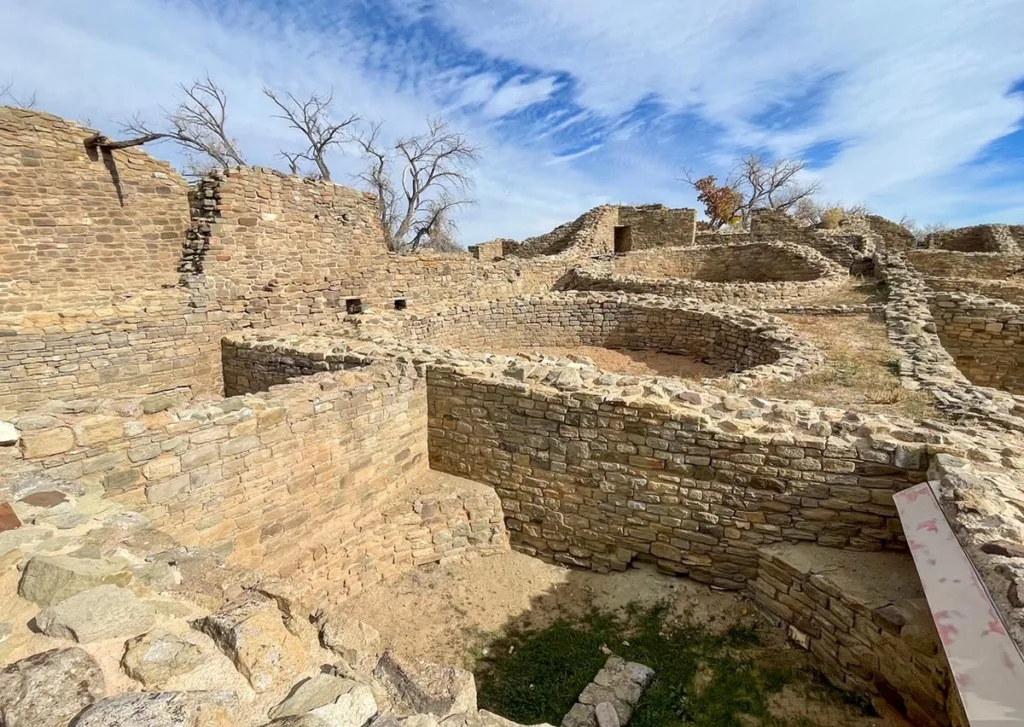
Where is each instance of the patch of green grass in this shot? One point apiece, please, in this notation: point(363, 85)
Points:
point(702, 679)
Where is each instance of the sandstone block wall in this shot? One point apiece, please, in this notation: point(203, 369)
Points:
point(979, 238)
point(953, 264)
point(653, 226)
point(264, 228)
point(581, 320)
point(78, 224)
point(985, 337)
point(865, 619)
point(594, 484)
point(720, 273)
point(755, 263)
point(282, 480)
point(149, 344)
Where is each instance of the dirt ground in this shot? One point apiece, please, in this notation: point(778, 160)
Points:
point(856, 290)
point(859, 369)
point(641, 363)
point(448, 613)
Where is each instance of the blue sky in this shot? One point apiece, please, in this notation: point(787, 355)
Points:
point(911, 106)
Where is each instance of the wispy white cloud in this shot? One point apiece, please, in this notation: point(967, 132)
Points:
point(914, 89)
point(917, 87)
point(517, 94)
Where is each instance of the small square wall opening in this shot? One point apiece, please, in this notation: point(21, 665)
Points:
point(623, 239)
point(401, 303)
point(353, 305)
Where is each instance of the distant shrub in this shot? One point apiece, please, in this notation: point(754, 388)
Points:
point(832, 217)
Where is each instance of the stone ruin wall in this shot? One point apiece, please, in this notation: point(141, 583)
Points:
point(656, 226)
point(863, 642)
point(962, 265)
point(149, 344)
point(985, 337)
point(596, 484)
point(79, 224)
point(593, 233)
point(979, 238)
point(754, 263)
point(313, 478)
point(310, 480)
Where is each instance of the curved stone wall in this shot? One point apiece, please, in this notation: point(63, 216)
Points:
point(764, 271)
point(724, 335)
point(985, 337)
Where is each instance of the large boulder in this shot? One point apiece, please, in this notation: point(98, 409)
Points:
point(251, 632)
point(49, 688)
point(353, 709)
point(48, 579)
point(354, 641)
point(158, 656)
point(312, 693)
point(161, 709)
point(103, 612)
point(417, 686)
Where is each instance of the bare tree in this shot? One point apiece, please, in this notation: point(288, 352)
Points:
point(755, 183)
point(312, 118)
point(771, 184)
point(7, 94)
point(419, 181)
point(199, 124)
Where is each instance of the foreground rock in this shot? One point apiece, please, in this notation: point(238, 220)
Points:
point(251, 633)
point(416, 686)
point(160, 709)
point(609, 700)
point(158, 656)
point(103, 612)
point(315, 692)
point(354, 641)
point(49, 579)
point(49, 688)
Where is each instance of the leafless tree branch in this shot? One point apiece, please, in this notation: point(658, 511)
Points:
point(199, 124)
point(7, 92)
point(770, 184)
point(312, 118)
point(433, 179)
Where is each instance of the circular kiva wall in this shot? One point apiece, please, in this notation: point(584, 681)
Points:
point(767, 271)
point(727, 336)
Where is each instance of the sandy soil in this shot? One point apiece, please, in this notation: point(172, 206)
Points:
point(446, 612)
point(858, 372)
point(642, 363)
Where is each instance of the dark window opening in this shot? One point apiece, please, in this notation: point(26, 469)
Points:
point(623, 240)
point(401, 303)
point(353, 305)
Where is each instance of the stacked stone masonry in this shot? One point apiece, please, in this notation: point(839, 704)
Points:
point(130, 303)
point(79, 224)
point(749, 273)
point(866, 622)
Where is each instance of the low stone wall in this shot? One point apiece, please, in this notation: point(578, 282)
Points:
point(927, 365)
point(758, 272)
point(979, 238)
point(865, 620)
point(145, 345)
point(753, 263)
point(724, 335)
point(985, 337)
point(982, 265)
point(281, 479)
point(595, 482)
point(1010, 291)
